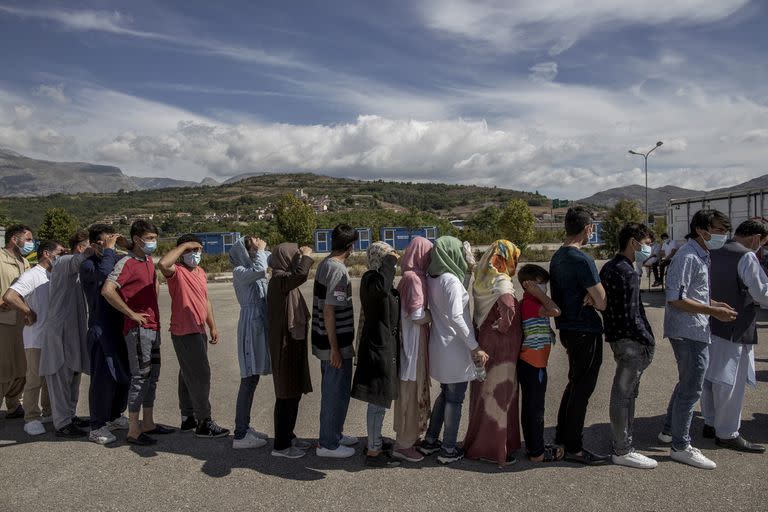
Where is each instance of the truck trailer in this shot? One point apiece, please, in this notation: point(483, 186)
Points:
point(739, 206)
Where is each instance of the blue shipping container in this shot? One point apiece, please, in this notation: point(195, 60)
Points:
point(597, 234)
point(322, 239)
point(400, 237)
point(218, 243)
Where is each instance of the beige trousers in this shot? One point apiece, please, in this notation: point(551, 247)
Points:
point(35, 390)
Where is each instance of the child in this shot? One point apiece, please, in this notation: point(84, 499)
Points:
point(538, 338)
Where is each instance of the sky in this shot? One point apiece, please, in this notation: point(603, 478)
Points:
point(534, 95)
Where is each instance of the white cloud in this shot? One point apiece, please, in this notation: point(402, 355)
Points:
point(511, 26)
point(54, 92)
point(544, 71)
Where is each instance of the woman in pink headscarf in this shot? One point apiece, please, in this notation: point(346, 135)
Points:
point(411, 414)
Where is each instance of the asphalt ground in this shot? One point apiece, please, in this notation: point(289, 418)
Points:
point(182, 472)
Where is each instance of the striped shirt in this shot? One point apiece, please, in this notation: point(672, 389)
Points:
point(332, 286)
point(538, 336)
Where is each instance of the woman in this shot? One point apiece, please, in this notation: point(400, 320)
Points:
point(288, 321)
point(494, 426)
point(376, 379)
point(411, 413)
point(249, 259)
point(453, 349)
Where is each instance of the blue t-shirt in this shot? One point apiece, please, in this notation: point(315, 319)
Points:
point(571, 273)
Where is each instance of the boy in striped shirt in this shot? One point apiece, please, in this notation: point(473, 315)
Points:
point(538, 338)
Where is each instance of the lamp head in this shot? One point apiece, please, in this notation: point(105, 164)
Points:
point(659, 143)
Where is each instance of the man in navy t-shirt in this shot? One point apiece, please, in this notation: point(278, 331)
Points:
point(576, 289)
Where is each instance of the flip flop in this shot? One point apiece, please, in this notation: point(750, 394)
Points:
point(161, 430)
point(142, 440)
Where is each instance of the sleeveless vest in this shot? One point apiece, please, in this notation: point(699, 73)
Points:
point(727, 286)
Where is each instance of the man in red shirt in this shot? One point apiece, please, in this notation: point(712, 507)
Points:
point(132, 289)
point(191, 311)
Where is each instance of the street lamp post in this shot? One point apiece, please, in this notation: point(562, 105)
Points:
point(645, 157)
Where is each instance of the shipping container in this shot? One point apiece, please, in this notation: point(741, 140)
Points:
point(400, 237)
point(218, 243)
point(597, 234)
point(322, 239)
point(739, 206)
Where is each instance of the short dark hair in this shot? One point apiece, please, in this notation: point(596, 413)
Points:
point(632, 231)
point(531, 272)
point(664, 235)
point(95, 232)
point(47, 245)
point(141, 227)
point(343, 237)
point(15, 230)
point(576, 219)
point(704, 219)
point(189, 237)
point(752, 227)
point(77, 238)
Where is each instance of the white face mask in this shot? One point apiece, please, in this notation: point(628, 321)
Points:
point(192, 259)
point(542, 287)
point(716, 241)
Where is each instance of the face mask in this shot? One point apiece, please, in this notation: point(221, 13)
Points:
point(27, 248)
point(149, 247)
point(716, 242)
point(643, 254)
point(542, 287)
point(192, 259)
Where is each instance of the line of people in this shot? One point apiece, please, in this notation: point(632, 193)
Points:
point(95, 311)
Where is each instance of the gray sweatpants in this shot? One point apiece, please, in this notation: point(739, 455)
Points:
point(144, 360)
point(194, 375)
point(64, 392)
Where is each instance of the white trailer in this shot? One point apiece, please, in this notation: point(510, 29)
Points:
point(739, 206)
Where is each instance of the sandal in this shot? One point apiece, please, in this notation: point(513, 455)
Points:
point(552, 453)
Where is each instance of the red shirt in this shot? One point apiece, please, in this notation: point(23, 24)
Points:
point(189, 300)
point(136, 280)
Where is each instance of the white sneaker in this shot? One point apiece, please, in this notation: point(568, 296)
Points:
point(348, 440)
point(102, 436)
point(665, 438)
point(34, 428)
point(289, 453)
point(693, 457)
point(634, 459)
point(120, 423)
point(342, 452)
point(249, 441)
point(46, 419)
point(259, 435)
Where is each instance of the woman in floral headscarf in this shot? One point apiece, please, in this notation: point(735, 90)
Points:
point(494, 427)
point(376, 379)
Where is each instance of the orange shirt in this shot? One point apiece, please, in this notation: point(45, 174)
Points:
point(189, 300)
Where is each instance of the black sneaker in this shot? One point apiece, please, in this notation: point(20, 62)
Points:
point(450, 456)
point(428, 448)
point(71, 431)
point(382, 460)
point(81, 422)
point(189, 424)
point(708, 432)
point(16, 414)
point(210, 429)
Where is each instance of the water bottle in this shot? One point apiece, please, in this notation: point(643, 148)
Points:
point(480, 373)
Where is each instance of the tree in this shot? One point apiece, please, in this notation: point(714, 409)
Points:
point(624, 211)
point(516, 223)
point(57, 224)
point(295, 220)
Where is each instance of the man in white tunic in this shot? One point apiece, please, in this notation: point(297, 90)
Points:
point(737, 279)
point(64, 353)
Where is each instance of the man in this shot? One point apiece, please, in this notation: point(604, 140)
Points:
point(629, 333)
point(108, 390)
point(64, 348)
point(668, 250)
point(333, 323)
point(738, 279)
point(576, 289)
point(29, 295)
point(191, 311)
point(686, 324)
point(13, 363)
point(132, 289)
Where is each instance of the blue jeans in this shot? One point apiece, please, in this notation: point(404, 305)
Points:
point(632, 359)
point(335, 388)
point(244, 404)
point(447, 409)
point(375, 423)
point(692, 360)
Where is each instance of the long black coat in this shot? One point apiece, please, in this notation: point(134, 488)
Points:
point(378, 359)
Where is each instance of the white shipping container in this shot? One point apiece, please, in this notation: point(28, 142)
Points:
point(739, 206)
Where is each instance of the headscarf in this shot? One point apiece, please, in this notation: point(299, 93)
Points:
point(413, 284)
point(448, 256)
point(493, 277)
point(376, 252)
point(282, 262)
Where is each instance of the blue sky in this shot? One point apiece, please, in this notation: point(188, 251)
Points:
point(526, 94)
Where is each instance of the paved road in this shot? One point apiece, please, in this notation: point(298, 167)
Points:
point(186, 473)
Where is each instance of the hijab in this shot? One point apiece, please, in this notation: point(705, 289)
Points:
point(493, 277)
point(376, 252)
point(448, 256)
point(413, 284)
point(283, 262)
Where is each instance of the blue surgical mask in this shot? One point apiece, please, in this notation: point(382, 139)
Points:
point(542, 287)
point(643, 253)
point(28, 247)
point(192, 259)
point(149, 247)
point(716, 242)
